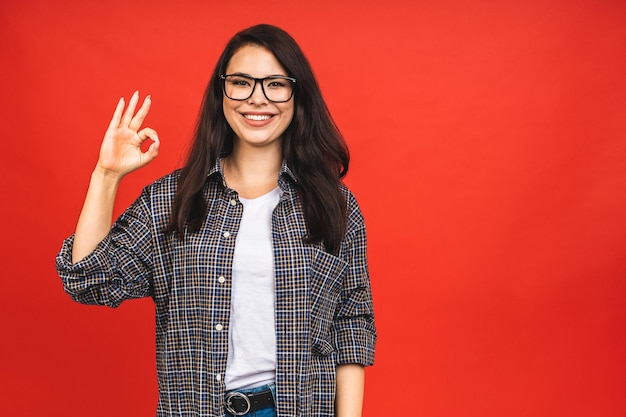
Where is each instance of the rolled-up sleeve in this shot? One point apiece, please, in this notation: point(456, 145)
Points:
point(354, 329)
point(119, 268)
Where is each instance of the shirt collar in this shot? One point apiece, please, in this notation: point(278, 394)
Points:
point(218, 172)
point(285, 172)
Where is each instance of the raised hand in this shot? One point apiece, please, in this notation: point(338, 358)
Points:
point(121, 152)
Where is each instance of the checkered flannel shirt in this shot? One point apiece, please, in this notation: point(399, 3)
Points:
point(324, 314)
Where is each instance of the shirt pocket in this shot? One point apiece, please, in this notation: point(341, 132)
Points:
point(327, 272)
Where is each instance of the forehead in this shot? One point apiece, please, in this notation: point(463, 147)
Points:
point(256, 61)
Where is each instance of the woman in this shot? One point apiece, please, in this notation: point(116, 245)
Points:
point(254, 252)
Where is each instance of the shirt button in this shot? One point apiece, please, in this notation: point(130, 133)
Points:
point(218, 377)
point(226, 234)
point(221, 280)
point(233, 202)
point(218, 327)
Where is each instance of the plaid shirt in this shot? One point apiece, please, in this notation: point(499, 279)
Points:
point(324, 314)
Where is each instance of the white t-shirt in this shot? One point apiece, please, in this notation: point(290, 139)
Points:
point(251, 331)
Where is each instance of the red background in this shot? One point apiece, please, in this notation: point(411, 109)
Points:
point(488, 146)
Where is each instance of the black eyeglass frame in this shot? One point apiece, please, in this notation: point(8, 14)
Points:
point(257, 80)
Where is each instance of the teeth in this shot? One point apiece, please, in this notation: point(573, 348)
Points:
point(257, 116)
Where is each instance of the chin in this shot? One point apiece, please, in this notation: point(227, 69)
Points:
point(258, 140)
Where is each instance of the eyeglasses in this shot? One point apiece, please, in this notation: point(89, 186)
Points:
point(276, 88)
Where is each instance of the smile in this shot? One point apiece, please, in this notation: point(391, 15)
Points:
point(259, 117)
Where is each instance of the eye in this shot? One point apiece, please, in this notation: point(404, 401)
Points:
point(277, 83)
point(238, 81)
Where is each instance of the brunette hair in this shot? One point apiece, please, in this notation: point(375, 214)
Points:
point(313, 147)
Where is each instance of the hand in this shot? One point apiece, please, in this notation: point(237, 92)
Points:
point(121, 152)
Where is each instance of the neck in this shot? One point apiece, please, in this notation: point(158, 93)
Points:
point(252, 172)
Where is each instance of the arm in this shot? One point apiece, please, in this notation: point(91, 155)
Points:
point(350, 386)
point(354, 330)
point(120, 154)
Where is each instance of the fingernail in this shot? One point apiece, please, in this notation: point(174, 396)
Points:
point(148, 97)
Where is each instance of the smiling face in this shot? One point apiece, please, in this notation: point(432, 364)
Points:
point(257, 121)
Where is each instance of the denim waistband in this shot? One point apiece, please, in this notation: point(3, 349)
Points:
point(271, 387)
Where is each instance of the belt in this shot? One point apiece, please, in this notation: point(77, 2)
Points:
point(239, 404)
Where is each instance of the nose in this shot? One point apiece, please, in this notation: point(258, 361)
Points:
point(258, 96)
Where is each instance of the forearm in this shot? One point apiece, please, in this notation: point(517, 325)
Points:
point(95, 218)
point(350, 387)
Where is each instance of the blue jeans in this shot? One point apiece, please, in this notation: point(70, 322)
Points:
point(264, 412)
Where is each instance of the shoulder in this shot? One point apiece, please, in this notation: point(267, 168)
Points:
point(163, 187)
point(157, 197)
point(355, 239)
point(353, 205)
point(165, 182)
point(354, 216)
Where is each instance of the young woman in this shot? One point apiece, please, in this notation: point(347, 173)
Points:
point(254, 252)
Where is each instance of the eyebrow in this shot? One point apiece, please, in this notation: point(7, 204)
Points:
point(244, 74)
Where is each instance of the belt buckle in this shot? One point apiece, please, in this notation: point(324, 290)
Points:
point(229, 404)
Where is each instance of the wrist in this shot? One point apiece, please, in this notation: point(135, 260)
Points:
point(106, 176)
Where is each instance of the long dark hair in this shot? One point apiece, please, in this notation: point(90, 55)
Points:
point(313, 147)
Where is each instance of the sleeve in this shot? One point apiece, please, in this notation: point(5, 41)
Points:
point(354, 330)
point(119, 268)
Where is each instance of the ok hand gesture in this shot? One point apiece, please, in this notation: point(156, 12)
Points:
point(121, 152)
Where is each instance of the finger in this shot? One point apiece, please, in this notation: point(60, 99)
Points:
point(117, 114)
point(137, 120)
point(153, 149)
point(130, 110)
point(147, 133)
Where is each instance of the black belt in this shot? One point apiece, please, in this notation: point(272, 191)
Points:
point(239, 404)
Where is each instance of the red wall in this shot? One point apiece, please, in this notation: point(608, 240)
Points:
point(488, 143)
